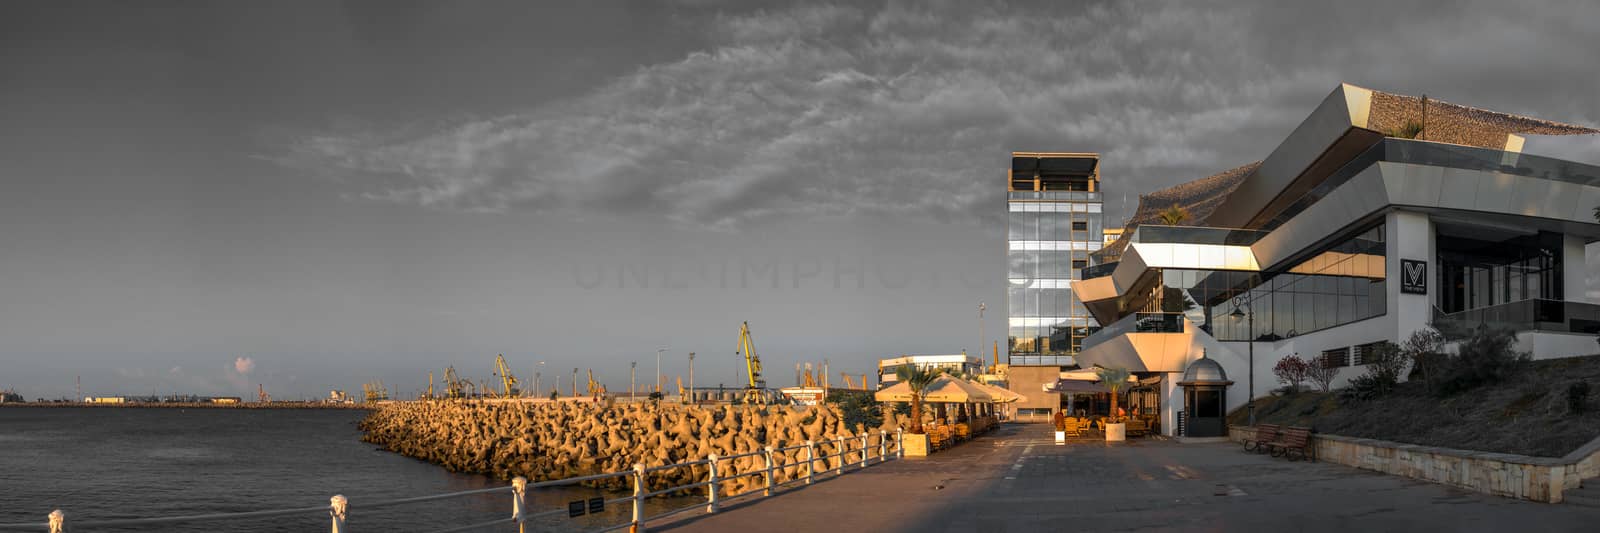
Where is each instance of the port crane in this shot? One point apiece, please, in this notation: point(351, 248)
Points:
point(507, 379)
point(374, 392)
point(454, 388)
point(261, 394)
point(848, 384)
point(596, 390)
point(755, 391)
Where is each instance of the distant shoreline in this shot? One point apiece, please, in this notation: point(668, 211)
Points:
point(252, 405)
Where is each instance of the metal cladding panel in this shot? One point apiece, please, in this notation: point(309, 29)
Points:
point(1528, 198)
point(1495, 191)
point(1345, 205)
point(1420, 186)
point(1310, 139)
point(1586, 204)
point(1562, 197)
point(1458, 187)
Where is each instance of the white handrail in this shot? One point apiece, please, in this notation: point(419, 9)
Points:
point(339, 506)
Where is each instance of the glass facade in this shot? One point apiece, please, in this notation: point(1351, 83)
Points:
point(1475, 273)
point(1054, 222)
point(1340, 284)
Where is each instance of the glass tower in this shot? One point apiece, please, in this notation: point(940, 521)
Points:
point(1053, 204)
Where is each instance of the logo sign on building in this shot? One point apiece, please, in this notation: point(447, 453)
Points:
point(1413, 276)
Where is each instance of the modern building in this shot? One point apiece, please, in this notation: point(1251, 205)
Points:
point(1380, 215)
point(888, 369)
point(1054, 204)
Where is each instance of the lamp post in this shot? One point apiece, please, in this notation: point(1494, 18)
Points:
point(981, 309)
point(631, 381)
point(1238, 305)
point(691, 378)
point(537, 378)
point(574, 383)
point(658, 369)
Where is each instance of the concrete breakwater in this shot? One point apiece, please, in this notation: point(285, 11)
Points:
point(547, 441)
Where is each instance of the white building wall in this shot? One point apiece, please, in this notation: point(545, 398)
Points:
point(1575, 270)
point(1409, 235)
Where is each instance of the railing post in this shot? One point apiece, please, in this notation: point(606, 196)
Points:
point(711, 487)
point(519, 488)
point(900, 442)
point(865, 447)
point(768, 455)
point(336, 509)
point(839, 446)
point(811, 462)
point(638, 498)
point(58, 521)
point(883, 445)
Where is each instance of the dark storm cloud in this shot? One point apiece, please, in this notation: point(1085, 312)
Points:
point(903, 109)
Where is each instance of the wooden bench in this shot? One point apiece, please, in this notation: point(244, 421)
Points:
point(1289, 440)
point(1264, 433)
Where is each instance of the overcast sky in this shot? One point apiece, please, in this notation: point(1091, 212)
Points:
point(200, 197)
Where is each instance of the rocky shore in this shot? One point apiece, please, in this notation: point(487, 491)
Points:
point(544, 441)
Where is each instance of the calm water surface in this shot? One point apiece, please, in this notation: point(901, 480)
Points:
point(106, 463)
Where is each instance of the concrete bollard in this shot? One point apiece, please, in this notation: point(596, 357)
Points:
point(811, 462)
point(336, 509)
point(900, 442)
point(768, 455)
point(519, 490)
point(638, 499)
point(58, 521)
point(864, 448)
point(883, 445)
point(711, 488)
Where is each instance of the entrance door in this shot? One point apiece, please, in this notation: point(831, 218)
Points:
point(1205, 407)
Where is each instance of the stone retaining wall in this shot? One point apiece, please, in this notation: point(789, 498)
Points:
point(1540, 479)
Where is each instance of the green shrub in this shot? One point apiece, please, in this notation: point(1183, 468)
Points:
point(859, 411)
point(1485, 357)
point(1385, 363)
point(1410, 130)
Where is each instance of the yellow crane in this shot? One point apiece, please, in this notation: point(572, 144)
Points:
point(429, 395)
point(810, 381)
point(507, 379)
point(596, 390)
point(454, 388)
point(682, 396)
point(755, 391)
point(374, 391)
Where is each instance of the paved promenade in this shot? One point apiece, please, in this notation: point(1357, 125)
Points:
point(1016, 479)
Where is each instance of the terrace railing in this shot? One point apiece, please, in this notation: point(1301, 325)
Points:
point(854, 452)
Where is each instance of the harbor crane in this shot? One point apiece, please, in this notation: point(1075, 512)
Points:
point(848, 384)
point(596, 390)
point(454, 387)
point(507, 379)
point(374, 392)
point(261, 394)
point(755, 391)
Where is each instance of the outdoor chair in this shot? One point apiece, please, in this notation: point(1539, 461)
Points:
point(1072, 429)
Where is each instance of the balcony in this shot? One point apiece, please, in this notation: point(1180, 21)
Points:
point(1071, 196)
point(1524, 315)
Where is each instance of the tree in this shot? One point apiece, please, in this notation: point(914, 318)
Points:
point(1114, 380)
point(1174, 215)
point(1292, 371)
point(917, 379)
point(1322, 371)
point(1425, 349)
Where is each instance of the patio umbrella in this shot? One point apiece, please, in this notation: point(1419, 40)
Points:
point(899, 392)
point(1001, 395)
point(950, 389)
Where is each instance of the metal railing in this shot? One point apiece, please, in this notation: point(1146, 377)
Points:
point(339, 506)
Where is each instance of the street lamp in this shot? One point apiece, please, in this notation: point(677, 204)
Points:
point(658, 368)
point(1238, 312)
point(981, 309)
point(631, 381)
point(537, 378)
point(691, 378)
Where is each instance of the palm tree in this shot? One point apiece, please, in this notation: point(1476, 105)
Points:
point(1174, 215)
point(917, 379)
point(1597, 213)
point(1114, 380)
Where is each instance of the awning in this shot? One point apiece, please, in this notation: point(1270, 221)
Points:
point(1001, 395)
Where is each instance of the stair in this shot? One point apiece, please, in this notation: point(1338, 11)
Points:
point(1586, 496)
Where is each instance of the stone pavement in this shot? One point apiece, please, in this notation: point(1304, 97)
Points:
point(1016, 479)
